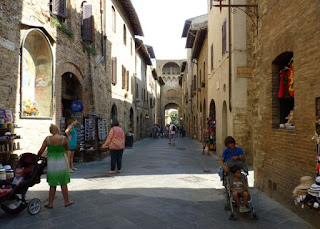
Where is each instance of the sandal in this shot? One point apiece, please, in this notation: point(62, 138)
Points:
point(48, 206)
point(70, 203)
point(110, 172)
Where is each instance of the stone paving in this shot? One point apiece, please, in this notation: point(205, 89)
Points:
point(161, 186)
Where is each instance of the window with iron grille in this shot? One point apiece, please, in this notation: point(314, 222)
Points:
point(59, 9)
point(211, 57)
point(87, 23)
point(124, 73)
point(224, 37)
point(114, 70)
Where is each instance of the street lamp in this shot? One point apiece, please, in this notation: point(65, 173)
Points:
point(147, 116)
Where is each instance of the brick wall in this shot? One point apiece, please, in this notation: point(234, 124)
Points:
point(281, 157)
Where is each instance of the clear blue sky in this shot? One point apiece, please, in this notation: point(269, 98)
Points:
point(162, 22)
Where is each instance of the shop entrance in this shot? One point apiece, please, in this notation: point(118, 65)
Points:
point(114, 113)
point(71, 91)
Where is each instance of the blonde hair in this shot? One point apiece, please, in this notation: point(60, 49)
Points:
point(53, 129)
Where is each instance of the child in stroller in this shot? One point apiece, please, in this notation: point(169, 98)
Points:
point(233, 161)
point(13, 201)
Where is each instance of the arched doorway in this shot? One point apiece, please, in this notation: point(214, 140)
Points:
point(71, 90)
point(212, 110)
point(224, 120)
point(114, 113)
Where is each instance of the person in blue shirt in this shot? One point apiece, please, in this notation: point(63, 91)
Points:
point(232, 152)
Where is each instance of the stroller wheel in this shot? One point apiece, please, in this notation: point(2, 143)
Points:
point(231, 215)
point(253, 214)
point(34, 206)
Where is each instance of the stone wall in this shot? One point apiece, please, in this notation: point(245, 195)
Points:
point(18, 17)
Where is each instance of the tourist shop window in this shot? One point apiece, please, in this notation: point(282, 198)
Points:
point(113, 19)
point(87, 23)
point(36, 76)
point(59, 9)
point(224, 37)
point(114, 70)
point(282, 89)
point(124, 35)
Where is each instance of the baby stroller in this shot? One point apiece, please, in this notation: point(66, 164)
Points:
point(13, 199)
point(230, 204)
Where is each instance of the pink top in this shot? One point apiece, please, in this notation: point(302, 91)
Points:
point(117, 139)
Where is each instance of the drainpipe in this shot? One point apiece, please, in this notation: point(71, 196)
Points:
point(230, 55)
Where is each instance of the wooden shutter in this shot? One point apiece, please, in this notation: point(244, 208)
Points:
point(87, 22)
point(127, 81)
point(59, 8)
point(114, 70)
point(224, 37)
point(132, 85)
point(123, 77)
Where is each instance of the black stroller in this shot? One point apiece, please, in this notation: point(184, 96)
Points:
point(14, 200)
point(230, 204)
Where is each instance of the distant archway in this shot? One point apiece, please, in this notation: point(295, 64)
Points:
point(171, 111)
point(171, 68)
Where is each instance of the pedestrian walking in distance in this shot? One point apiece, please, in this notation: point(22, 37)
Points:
point(172, 133)
point(116, 143)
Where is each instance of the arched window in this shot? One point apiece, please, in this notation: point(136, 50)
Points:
point(171, 68)
point(282, 88)
point(36, 75)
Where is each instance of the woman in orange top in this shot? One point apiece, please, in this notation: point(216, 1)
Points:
point(116, 142)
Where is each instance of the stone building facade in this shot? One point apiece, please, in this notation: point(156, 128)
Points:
point(227, 99)
point(45, 66)
point(169, 72)
point(54, 52)
point(195, 76)
point(287, 33)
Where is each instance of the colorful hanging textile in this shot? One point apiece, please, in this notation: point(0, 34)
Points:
point(286, 86)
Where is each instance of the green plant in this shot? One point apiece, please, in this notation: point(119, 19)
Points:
point(55, 22)
point(89, 48)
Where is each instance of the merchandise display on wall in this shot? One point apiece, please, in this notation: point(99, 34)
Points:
point(9, 142)
point(212, 129)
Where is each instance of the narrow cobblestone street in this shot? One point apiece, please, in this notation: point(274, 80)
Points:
point(161, 186)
